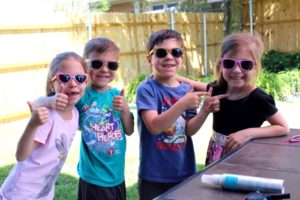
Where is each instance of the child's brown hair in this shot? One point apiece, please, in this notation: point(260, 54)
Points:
point(161, 35)
point(99, 45)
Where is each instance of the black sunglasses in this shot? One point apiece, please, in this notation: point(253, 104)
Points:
point(97, 64)
point(229, 63)
point(65, 78)
point(161, 52)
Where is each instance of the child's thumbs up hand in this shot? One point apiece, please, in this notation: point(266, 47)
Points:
point(119, 102)
point(60, 100)
point(122, 93)
point(30, 105)
point(39, 115)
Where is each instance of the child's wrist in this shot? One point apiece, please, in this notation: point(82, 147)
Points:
point(32, 122)
point(204, 111)
point(126, 111)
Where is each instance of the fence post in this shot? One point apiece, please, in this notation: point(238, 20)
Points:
point(251, 16)
point(205, 45)
point(172, 10)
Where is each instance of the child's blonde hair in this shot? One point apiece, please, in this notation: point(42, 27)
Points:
point(56, 65)
point(232, 44)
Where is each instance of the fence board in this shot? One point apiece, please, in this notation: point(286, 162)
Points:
point(278, 22)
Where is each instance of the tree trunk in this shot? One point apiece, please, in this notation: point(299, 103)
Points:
point(232, 16)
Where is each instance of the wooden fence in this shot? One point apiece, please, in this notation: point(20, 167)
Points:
point(27, 49)
point(29, 44)
point(277, 21)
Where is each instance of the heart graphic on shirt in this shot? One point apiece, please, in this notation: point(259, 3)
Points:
point(111, 151)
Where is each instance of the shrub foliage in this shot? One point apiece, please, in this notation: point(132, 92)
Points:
point(276, 61)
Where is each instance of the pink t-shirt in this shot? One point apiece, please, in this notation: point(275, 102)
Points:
point(34, 178)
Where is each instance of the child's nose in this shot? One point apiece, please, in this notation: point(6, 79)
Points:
point(169, 55)
point(104, 67)
point(237, 67)
point(72, 82)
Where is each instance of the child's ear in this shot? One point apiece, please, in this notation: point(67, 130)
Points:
point(149, 58)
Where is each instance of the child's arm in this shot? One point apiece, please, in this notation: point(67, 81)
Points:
point(210, 104)
point(26, 143)
point(121, 105)
point(198, 86)
point(278, 127)
point(157, 123)
point(59, 101)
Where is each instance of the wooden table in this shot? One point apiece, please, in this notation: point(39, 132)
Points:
point(268, 157)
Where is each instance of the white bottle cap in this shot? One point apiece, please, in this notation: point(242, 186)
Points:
point(211, 179)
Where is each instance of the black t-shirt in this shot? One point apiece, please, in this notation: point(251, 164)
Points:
point(250, 111)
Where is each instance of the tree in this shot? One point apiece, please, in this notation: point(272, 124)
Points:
point(81, 5)
point(232, 16)
point(201, 6)
point(99, 5)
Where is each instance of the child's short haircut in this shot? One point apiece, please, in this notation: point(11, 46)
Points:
point(99, 45)
point(161, 35)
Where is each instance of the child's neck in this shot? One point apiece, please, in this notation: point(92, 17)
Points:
point(169, 82)
point(239, 93)
point(99, 89)
point(66, 114)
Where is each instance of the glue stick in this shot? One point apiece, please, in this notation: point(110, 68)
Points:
point(244, 183)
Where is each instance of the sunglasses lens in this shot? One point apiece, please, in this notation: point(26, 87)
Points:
point(228, 64)
point(96, 64)
point(247, 64)
point(80, 78)
point(177, 52)
point(64, 78)
point(161, 53)
point(112, 65)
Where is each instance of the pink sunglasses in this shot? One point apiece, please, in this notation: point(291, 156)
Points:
point(65, 78)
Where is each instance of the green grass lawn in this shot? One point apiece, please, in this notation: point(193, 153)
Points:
point(66, 186)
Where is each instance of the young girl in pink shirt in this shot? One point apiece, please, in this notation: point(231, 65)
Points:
point(44, 145)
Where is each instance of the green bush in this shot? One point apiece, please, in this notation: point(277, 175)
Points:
point(276, 61)
point(281, 84)
point(271, 84)
point(132, 86)
point(290, 81)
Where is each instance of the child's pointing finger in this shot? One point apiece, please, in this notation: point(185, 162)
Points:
point(222, 96)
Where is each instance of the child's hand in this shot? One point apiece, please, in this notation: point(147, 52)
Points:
point(39, 115)
point(119, 102)
point(60, 100)
point(235, 140)
point(192, 99)
point(212, 103)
